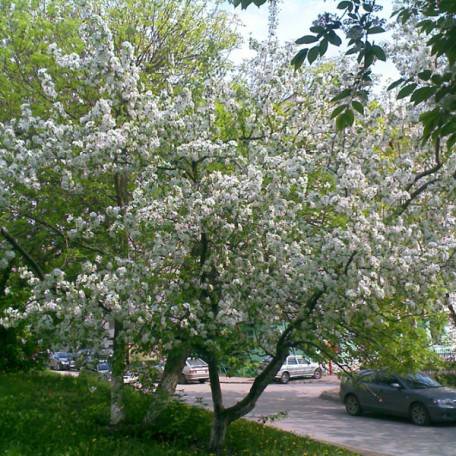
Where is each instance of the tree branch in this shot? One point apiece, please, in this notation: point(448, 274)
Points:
point(28, 258)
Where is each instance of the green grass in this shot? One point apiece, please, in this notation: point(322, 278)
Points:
point(45, 414)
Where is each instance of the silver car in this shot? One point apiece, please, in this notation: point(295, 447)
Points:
point(297, 366)
point(195, 370)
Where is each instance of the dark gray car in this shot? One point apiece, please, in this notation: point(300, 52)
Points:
point(416, 396)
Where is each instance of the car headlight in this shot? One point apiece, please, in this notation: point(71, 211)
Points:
point(445, 403)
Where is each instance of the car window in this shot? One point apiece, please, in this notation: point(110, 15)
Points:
point(420, 381)
point(367, 378)
point(292, 360)
point(196, 362)
point(385, 379)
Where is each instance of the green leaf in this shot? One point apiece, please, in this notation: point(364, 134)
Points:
point(406, 91)
point(379, 52)
point(395, 84)
point(369, 56)
point(345, 120)
point(333, 38)
point(306, 39)
point(323, 47)
point(338, 110)
point(344, 5)
point(449, 128)
point(425, 75)
point(299, 58)
point(422, 94)
point(317, 29)
point(353, 50)
point(313, 54)
point(377, 29)
point(451, 141)
point(358, 106)
point(344, 94)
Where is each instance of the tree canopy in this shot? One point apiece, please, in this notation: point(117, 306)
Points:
point(225, 212)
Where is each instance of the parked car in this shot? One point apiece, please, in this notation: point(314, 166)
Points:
point(195, 370)
point(104, 369)
point(62, 361)
point(298, 366)
point(130, 378)
point(415, 396)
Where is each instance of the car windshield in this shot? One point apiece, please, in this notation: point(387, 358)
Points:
point(194, 362)
point(421, 381)
point(103, 367)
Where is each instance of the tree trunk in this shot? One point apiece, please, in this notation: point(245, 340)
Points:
point(175, 362)
point(225, 416)
point(120, 346)
point(220, 421)
point(118, 367)
point(218, 433)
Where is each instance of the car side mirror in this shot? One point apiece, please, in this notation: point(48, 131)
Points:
point(396, 385)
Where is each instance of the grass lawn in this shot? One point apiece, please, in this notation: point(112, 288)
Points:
point(46, 414)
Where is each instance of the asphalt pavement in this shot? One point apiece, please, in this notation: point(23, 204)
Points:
point(326, 420)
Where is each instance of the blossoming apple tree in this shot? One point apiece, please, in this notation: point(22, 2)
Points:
point(232, 215)
point(289, 235)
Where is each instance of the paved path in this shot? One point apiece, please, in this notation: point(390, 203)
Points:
point(326, 420)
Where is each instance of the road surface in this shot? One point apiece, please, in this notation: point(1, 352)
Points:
point(326, 420)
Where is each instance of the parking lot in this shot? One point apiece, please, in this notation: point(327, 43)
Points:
point(308, 414)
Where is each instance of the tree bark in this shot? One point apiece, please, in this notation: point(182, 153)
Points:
point(218, 433)
point(27, 257)
point(175, 362)
point(118, 367)
point(120, 346)
point(220, 420)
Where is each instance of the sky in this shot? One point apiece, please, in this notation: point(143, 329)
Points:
point(295, 19)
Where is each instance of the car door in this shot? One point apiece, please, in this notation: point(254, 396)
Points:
point(366, 391)
point(306, 367)
point(391, 399)
point(299, 366)
point(292, 366)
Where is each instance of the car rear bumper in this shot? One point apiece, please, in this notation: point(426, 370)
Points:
point(196, 377)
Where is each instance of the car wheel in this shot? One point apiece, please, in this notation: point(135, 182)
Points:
point(317, 374)
point(182, 379)
point(285, 378)
point(202, 380)
point(352, 405)
point(419, 414)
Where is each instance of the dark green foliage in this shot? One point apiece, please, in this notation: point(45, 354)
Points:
point(18, 351)
point(69, 416)
point(446, 375)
